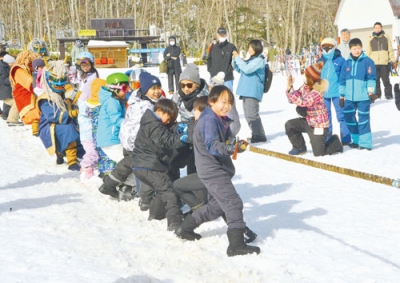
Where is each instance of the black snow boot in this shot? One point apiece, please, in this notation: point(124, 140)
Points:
point(333, 145)
point(157, 208)
point(186, 229)
point(237, 246)
point(109, 187)
point(126, 193)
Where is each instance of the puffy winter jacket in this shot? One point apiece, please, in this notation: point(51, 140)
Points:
point(252, 76)
point(220, 60)
point(331, 71)
point(137, 105)
point(380, 49)
point(5, 85)
point(112, 113)
point(182, 100)
point(209, 142)
point(358, 78)
point(154, 144)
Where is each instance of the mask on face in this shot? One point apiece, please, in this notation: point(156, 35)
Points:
point(222, 39)
point(327, 49)
point(172, 43)
point(326, 52)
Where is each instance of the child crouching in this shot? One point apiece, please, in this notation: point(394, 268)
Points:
point(153, 145)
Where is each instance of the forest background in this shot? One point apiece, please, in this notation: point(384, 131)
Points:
point(284, 23)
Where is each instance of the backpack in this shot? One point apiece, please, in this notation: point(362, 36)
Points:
point(163, 66)
point(268, 78)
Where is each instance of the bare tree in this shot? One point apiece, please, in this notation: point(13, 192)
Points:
point(193, 21)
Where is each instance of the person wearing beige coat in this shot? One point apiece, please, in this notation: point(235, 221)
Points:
point(380, 50)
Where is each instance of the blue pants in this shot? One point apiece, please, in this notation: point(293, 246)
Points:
point(360, 128)
point(344, 130)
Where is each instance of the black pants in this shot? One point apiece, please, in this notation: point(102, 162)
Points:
point(294, 129)
point(181, 158)
point(382, 73)
point(124, 167)
point(191, 190)
point(161, 182)
point(171, 75)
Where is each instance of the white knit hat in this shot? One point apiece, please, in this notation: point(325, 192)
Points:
point(8, 59)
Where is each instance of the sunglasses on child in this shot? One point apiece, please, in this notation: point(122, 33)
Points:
point(188, 85)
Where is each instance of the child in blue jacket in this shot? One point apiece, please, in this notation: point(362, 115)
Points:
point(357, 92)
point(333, 62)
point(215, 170)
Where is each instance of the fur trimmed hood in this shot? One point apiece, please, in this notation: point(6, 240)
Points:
point(321, 86)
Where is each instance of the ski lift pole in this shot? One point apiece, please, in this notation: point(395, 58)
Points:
point(345, 171)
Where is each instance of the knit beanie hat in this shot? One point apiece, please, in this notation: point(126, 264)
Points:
point(355, 42)
point(38, 63)
point(8, 59)
point(218, 79)
point(314, 71)
point(147, 80)
point(329, 40)
point(191, 73)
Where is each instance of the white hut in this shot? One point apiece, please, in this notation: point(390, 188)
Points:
point(359, 17)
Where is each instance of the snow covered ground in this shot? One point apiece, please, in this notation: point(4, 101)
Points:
point(312, 225)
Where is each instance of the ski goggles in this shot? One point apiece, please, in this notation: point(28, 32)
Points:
point(83, 61)
point(124, 87)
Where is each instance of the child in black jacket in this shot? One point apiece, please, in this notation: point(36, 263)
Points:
point(153, 145)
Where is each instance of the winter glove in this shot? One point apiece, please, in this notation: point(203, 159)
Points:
point(341, 102)
point(302, 111)
point(182, 128)
point(372, 97)
point(231, 146)
point(242, 145)
point(73, 113)
point(185, 138)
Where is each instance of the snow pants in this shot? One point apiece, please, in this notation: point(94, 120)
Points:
point(382, 73)
point(222, 199)
point(294, 129)
point(191, 190)
point(360, 128)
point(161, 182)
point(123, 170)
point(251, 109)
point(344, 130)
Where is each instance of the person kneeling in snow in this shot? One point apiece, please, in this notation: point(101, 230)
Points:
point(57, 126)
point(314, 115)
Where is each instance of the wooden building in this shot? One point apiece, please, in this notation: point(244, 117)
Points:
point(109, 54)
